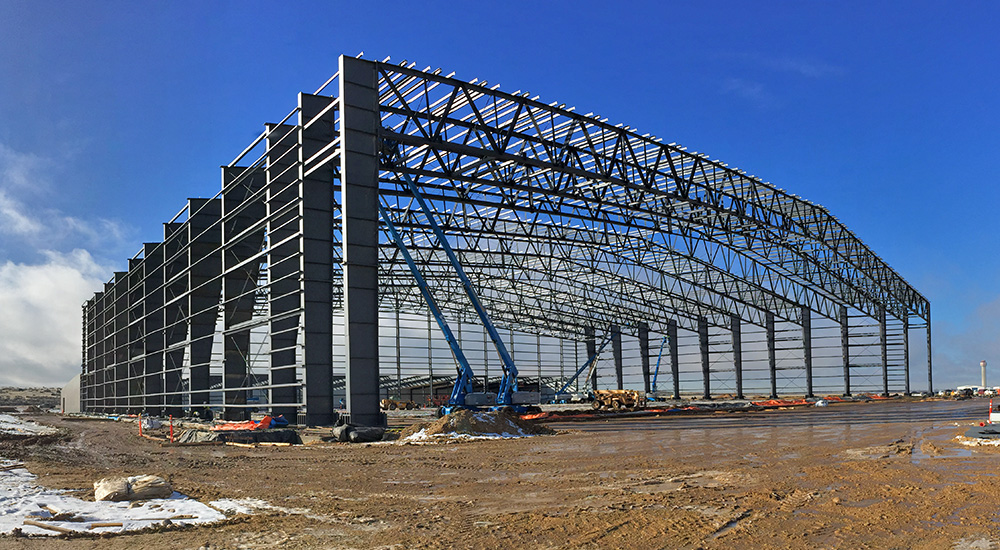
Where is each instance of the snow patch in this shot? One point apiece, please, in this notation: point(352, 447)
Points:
point(250, 506)
point(17, 426)
point(423, 437)
point(977, 441)
point(21, 498)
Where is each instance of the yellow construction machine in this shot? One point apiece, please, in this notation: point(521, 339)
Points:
point(619, 399)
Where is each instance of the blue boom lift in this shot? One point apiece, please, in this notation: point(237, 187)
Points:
point(462, 397)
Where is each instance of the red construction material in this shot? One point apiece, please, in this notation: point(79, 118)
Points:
point(171, 428)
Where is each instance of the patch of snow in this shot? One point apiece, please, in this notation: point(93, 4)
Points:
point(14, 425)
point(423, 437)
point(250, 506)
point(21, 498)
point(978, 441)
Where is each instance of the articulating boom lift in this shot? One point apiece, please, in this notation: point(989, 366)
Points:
point(461, 396)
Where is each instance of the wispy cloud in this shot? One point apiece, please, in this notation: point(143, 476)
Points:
point(27, 224)
point(809, 68)
point(754, 92)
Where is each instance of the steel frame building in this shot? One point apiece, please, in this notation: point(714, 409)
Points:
point(273, 292)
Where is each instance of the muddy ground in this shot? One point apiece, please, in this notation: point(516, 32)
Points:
point(863, 475)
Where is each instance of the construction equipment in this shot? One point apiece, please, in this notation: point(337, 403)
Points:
point(591, 363)
point(393, 404)
point(659, 356)
point(618, 400)
point(462, 396)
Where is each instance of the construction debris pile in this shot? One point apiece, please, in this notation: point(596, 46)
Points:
point(465, 424)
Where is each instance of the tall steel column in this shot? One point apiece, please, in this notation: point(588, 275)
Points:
point(153, 328)
point(242, 209)
point(735, 328)
point(204, 250)
point(930, 377)
point(589, 338)
point(175, 315)
point(807, 355)
point(359, 120)
point(616, 350)
point(845, 348)
point(772, 362)
point(317, 119)
point(674, 357)
point(120, 356)
point(885, 351)
point(643, 354)
point(906, 352)
point(283, 264)
point(135, 336)
point(703, 347)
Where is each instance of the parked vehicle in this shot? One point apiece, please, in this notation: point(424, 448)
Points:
point(619, 399)
point(393, 404)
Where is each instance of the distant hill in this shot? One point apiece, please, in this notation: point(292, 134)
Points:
point(43, 397)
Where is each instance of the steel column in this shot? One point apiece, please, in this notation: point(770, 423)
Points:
point(885, 351)
point(845, 348)
point(930, 377)
point(906, 352)
point(735, 327)
point(644, 354)
point(674, 357)
point(242, 207)
point(772, 363)
point(807, 355)
point(317, 120)
point(616, 349)
point(589, 338)
point(283, 265)
point(359, 120)
point(703, 347)
point(205, 239)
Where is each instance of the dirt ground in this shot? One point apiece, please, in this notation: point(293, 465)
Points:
point(864, 475)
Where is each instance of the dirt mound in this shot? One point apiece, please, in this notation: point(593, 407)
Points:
point(898, 447)
point(500, 423)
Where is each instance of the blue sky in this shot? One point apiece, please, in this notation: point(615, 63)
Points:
point(112, 113)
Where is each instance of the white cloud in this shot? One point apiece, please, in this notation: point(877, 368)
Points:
point(40, 317)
